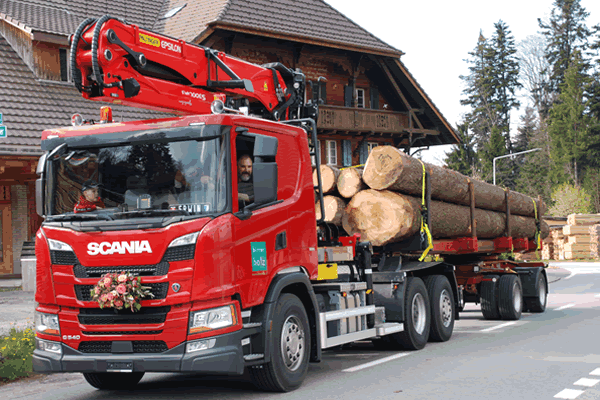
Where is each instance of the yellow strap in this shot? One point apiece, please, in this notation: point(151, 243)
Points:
point(352, 166)
point(424, 226)
point(538, 234)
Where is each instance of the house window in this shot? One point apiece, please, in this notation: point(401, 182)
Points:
point(360, 98)
point(371, 146)
point(313, 159)
point(331, 152)
point(64, 69)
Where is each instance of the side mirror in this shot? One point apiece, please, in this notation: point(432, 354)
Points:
point(39, 197)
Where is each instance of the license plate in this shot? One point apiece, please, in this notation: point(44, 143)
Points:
point(120, 366)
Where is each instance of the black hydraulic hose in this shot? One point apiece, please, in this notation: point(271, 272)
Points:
point(95, 66)
point(76, 74)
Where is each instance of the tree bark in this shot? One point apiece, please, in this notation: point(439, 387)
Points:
point(384, 217)
point(350, 182)
point(389, 168)
point(329, 177)
point(334, 209)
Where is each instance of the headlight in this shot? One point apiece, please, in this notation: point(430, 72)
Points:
point(47, 323)
point(60, 246)
point(46, 345)
point(216, 318)
point(185, 239)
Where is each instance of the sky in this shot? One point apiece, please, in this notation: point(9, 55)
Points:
point(437, 36)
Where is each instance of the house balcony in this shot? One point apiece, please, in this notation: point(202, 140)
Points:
point(344, 119)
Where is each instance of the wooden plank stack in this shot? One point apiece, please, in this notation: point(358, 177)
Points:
point(577, 237)
point(384, 201)
point(595, 241)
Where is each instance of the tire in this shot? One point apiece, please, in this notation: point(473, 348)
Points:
point(538, 304)
point(489, 297)
point(441, 299)
point(288, 366)
point(113, 380)
point(417, 318)
point(510, 299)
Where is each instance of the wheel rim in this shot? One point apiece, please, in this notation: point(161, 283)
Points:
point(292, 343)
point(419, 313)
point(446, 308)
point(517, 300)
point(542, 293)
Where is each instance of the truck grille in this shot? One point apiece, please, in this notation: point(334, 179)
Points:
point(63, 257)
point(111, 316)
point(180, 253)
point(100, 333)
point(159, 290)
point(139, 346)
point(159, 269)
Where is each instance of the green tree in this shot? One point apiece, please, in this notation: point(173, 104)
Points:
point(463, 157)
point(566, 33)
point(569, 127)
point(569, 199)
point(496, 147)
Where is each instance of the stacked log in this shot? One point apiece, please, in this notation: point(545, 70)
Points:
point(350, 182)
point(334, 209)
point(595, 241)
point(329, 177)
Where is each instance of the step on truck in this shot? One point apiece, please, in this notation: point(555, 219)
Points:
point(237, 283)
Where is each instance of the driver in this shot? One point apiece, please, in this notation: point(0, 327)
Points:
point(89, 199)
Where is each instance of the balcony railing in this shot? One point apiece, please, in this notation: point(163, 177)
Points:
point(361, 119)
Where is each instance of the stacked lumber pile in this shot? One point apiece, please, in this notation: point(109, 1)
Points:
point(577, 235)
point(548, 248)
point(595, 241)
point(383, 201)
point(558, 240)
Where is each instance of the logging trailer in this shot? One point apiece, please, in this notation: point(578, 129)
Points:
point(235, 285)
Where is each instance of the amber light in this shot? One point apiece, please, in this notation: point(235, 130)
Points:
point(106, 115)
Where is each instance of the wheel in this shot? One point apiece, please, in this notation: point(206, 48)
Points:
point(113, 380)
point(417, 319)
point(489, 297)
point(510, 297)
point(538, 304)
point(290, 348)
point(441, 299)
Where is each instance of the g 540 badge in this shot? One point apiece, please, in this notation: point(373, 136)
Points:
point(259, 257)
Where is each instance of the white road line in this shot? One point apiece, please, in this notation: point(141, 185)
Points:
point(568, 394)
point(595, 372)
point(493, 328)
point(587, 382)
point(598, 295)
point(573, 273)
point(376, 362)
point(564, 307)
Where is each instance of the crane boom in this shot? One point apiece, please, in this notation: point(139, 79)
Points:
point(122, 63)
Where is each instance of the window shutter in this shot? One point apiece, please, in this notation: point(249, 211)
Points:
point(324, 92)
point(374, 98)
point(348, 96)
point(315, 90)
point(364, 151)
point(64, 74)
point(346, 153)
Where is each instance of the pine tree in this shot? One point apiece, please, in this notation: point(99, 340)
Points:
point(463, 157)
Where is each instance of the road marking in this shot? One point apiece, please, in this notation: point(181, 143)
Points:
point(598, 295)
point(564, 307)
point(498, 326)
point(573, 273)
point(595, 372)
point(376, 362)
point(586, 382)
point(568, 394)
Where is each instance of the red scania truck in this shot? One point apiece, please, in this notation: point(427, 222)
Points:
point(261, 285)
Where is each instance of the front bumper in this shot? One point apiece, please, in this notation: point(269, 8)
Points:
point(226, 357)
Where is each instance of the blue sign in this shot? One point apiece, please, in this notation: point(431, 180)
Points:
point(259, 256)
point(2, 131)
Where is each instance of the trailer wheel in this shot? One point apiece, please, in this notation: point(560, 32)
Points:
point(113, 380)
point(538, 304)
point(290, 348)
point(417, 317)
point(510, 297)
point(489, 297)
point(441, 299)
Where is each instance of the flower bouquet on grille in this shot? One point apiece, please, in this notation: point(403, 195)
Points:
point(120, 290)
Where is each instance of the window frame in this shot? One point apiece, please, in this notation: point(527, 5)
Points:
point(359, 98)
point(329, 147)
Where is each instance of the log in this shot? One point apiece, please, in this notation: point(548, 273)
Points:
point(329, 176)
point(334, 209)
point(383, 217)
point(350, 182)
point(391, 169)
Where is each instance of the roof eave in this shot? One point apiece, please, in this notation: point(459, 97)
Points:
point(297, 38)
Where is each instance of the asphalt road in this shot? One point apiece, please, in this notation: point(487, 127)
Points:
point(542, 356)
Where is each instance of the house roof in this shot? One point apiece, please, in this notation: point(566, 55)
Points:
point(29, 106)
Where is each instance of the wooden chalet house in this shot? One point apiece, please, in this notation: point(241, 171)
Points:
point(367, 95)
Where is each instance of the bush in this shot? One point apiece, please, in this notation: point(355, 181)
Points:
point(569, 199)
point(16, 351)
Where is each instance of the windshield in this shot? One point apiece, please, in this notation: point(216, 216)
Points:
point(140, 180)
